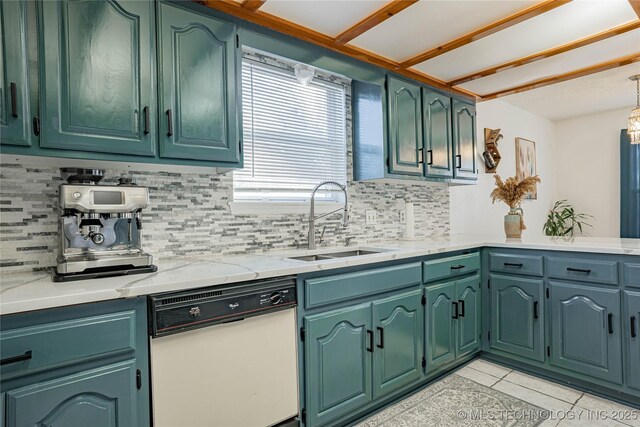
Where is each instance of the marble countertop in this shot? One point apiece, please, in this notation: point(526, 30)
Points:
point(20, 292)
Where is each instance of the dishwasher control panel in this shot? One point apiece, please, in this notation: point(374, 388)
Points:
point(178, 311)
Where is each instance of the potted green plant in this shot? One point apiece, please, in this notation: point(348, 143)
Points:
point(563, 220)
point(512, 191)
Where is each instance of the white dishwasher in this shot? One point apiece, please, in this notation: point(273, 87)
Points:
point(225, 356)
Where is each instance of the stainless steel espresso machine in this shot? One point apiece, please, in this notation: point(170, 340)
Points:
point(100, 227)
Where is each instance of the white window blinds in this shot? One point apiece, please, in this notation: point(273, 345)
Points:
point(294, 135)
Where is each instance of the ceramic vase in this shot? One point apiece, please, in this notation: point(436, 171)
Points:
point(513, 223)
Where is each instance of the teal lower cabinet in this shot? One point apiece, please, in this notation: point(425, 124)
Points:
point(517, 316)
point(338, 349)
point(74, 366)
point(585, 330)
point(397, 359)
point(632, 331)
point(452, 321)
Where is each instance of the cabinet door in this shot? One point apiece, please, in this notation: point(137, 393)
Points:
point(399, 332)
point(101, 397)
point(337, 362)
point(405, 128)
point(14, 90)
point(632, 319)
point(436, 119)
point(439, 325)
point(585, 330)
point(97, 73)
point(468, 323)
point(198, 62)
point(464, 140)
point(517, 311)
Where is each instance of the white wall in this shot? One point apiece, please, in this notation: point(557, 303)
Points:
point(471, 208)
point(589, 149)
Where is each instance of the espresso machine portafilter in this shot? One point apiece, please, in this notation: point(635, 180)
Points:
point(100, 227)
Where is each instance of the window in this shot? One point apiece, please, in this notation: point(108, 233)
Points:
point(294, 135)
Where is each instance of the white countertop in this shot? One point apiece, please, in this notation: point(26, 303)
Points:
point(20, 292)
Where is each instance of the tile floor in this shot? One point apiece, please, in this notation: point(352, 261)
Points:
point(565, 402)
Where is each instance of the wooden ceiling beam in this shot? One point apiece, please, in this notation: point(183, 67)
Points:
point(253, 5)
point(374, 19)
point(635, 4)
point(283, 26)
point(485, 31)
point(619, 62)
point(547, 53)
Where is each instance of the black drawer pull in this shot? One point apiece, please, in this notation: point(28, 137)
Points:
point(420, 155)
point(36, 126)
point(461, 302)
point(610, 322)
point(14, 100)
point(633, 326)
point(145, 111)
point(455, 310)
point(579, 270)
point(169, 123)
point(535, 309)
point(14, 359)
point(457, 267)
point(513, 264)
point(381, 330)
point(459, 161)
point(430, 154)
point(370, 334)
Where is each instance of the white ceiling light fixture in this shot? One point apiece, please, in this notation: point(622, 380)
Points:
point(633, 127)
point(304, 73)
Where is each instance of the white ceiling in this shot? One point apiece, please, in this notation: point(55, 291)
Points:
point(608, 90)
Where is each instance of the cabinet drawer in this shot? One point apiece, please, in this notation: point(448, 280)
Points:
point(632, 274)
point(587, 270)
point(519, 264)
point(450, 267)
point(35, 348)
point(340, 287)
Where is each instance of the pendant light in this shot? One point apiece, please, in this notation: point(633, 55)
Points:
point(633, 127)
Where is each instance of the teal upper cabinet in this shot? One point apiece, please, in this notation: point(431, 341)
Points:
point(15, 113)
point(468, 327)
point(399, 341)
point(436, 110)
point(405, 128)
point(338, 353)
point(97, 76)
point(632, 319)
point(464, 140)
point(198, 65)
point(585, 330)
point(517, 311)
point(439, 327)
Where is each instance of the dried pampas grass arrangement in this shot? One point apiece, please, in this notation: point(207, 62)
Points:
point(512, 190)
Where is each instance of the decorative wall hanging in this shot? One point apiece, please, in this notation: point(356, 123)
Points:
point(491, 155)
point(526, 163)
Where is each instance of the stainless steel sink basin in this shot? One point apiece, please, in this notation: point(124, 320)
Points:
point(334, 255)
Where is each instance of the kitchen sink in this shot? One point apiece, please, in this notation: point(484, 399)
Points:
point(334, 255)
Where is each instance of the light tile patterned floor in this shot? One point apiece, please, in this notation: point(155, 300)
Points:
point(551, 396)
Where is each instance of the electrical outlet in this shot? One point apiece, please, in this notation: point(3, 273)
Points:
point(370, 217)
point(403, 217)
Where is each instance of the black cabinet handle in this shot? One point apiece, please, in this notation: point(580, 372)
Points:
point(14, 99)
point(513, 264)
point(169, 123)
point(455, 310)
point(145, 111)
point(420, 155)
point(36, 126)
point(381, 330)
point(430, 154)
point(461, 302)
point(370, 334)
point(535, 309)
point(26, 356)
point(457, 267)
point(579, 270)
point(459, 159)
point(610, 322)
point(633, 326)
